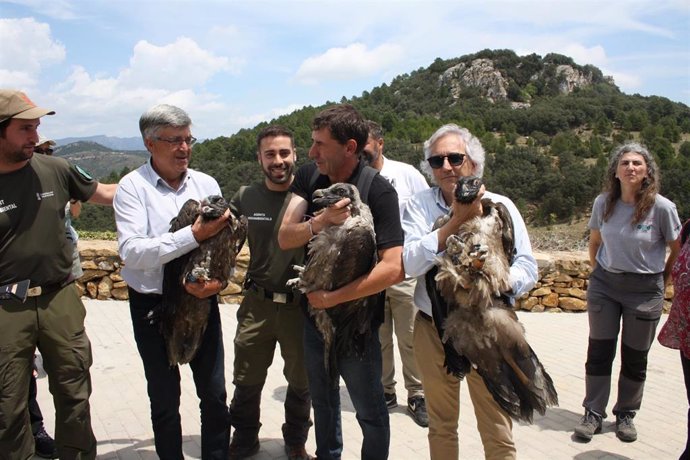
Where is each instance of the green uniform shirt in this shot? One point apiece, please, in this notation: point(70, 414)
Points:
point(269, 266)
point(33, 244)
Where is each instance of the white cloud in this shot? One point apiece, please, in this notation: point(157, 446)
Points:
point(175, 66)
point(27, 48)
point(351, 62)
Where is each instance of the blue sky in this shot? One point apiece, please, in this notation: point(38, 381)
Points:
point(233, 64)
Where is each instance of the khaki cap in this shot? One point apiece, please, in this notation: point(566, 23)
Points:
point(15, 104)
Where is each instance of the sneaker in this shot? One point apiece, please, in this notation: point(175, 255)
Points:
point(297, 453)
point(240, 450)
point(625, 428)
point(416, 407)
point(44, 445)
point(391, 400)
point(589, 425)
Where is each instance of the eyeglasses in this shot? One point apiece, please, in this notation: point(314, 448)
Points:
point(455, 159)
point(43, 151)
point(191, 140)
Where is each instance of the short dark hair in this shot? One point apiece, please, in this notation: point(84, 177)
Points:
point(375, 130)
point(274, 131)
point(345, 123)
point(3, 126)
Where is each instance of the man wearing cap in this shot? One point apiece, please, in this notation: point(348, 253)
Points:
point(33, 193)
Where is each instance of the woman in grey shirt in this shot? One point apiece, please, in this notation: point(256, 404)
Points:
point(631, 225)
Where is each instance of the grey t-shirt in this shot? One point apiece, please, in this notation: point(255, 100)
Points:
point(639, 248)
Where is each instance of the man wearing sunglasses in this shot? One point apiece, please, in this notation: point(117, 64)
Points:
point(452, 152)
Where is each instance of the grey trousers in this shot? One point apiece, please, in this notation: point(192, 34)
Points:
point(635, 301)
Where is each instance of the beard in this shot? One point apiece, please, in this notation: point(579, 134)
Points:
point(370, 158)
point(18, 154)
point(279, 175)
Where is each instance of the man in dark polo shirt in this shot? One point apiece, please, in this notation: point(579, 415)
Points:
point(339, 134)
point(33, 247)
point(269, 313)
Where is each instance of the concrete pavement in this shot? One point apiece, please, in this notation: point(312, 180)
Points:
point(121, 422)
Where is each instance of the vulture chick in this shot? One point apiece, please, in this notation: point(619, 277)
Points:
point(338, 255)
point(183, 316)
point(472, 274)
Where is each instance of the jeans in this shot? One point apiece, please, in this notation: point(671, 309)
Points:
point(362, 376)
point(163, 383)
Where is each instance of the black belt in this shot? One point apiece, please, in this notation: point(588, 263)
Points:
point(425, 316)
point(277, 297)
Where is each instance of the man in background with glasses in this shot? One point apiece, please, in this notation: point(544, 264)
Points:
point(147, 200)
point(399, 311)
point(450, 153)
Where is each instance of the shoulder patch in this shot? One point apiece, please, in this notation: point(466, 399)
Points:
point(83, 172)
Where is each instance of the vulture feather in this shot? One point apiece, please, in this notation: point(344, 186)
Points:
point(183, 316)
point(480, 323)
point(338, 255)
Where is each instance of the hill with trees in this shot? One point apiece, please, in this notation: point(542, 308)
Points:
point(547, 125)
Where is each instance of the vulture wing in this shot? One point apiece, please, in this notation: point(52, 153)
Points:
point(480, 323)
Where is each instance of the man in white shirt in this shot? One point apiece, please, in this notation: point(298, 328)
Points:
point(146, 201)
point(399, 304)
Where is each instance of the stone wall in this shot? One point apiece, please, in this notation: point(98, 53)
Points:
point(562, 284)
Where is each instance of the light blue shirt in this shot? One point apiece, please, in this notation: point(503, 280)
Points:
point(421, 244)
point(144, 206)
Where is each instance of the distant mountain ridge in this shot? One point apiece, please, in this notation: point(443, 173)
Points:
point(115, 143)
point(99, 160)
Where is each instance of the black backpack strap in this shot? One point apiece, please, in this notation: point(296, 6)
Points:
point(314, 178)
point(366, 177)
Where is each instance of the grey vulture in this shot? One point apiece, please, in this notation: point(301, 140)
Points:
point(338, 255)
point(183, 316)
point(480, 324)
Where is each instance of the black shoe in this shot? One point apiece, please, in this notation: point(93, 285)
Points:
point(625, 428)
point(238, 451)
point(391, 400)
point(590, 424)
point(416, 407)
point(44, 444)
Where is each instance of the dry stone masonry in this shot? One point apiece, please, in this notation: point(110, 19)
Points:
point(562, 286)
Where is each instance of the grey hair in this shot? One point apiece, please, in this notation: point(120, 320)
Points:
point(473, 148)
point(160, 116)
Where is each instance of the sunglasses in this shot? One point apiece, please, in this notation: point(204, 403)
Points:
point(455, 159)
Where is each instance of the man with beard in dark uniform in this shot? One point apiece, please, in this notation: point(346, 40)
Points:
point(269, 312)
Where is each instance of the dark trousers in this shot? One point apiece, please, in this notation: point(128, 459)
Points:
point(630, 304)
point(55, 322)
point(261, 325)
point(163, 383)
point(362, 378)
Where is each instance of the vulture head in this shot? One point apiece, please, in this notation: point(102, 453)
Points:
point(212, 207)
point(467, 189)
point(331, 195)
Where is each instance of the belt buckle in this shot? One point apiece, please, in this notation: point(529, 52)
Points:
point(280, 297)
point(34, 291)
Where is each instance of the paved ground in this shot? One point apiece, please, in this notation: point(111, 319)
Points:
point(121, 415)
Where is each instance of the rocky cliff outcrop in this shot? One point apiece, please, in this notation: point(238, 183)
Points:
point(480, 74)
point(492, 83)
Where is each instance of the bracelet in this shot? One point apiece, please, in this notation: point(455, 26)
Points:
point(311, 230)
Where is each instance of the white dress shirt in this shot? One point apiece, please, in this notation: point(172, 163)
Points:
point(144, 206)
point(421, 244)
